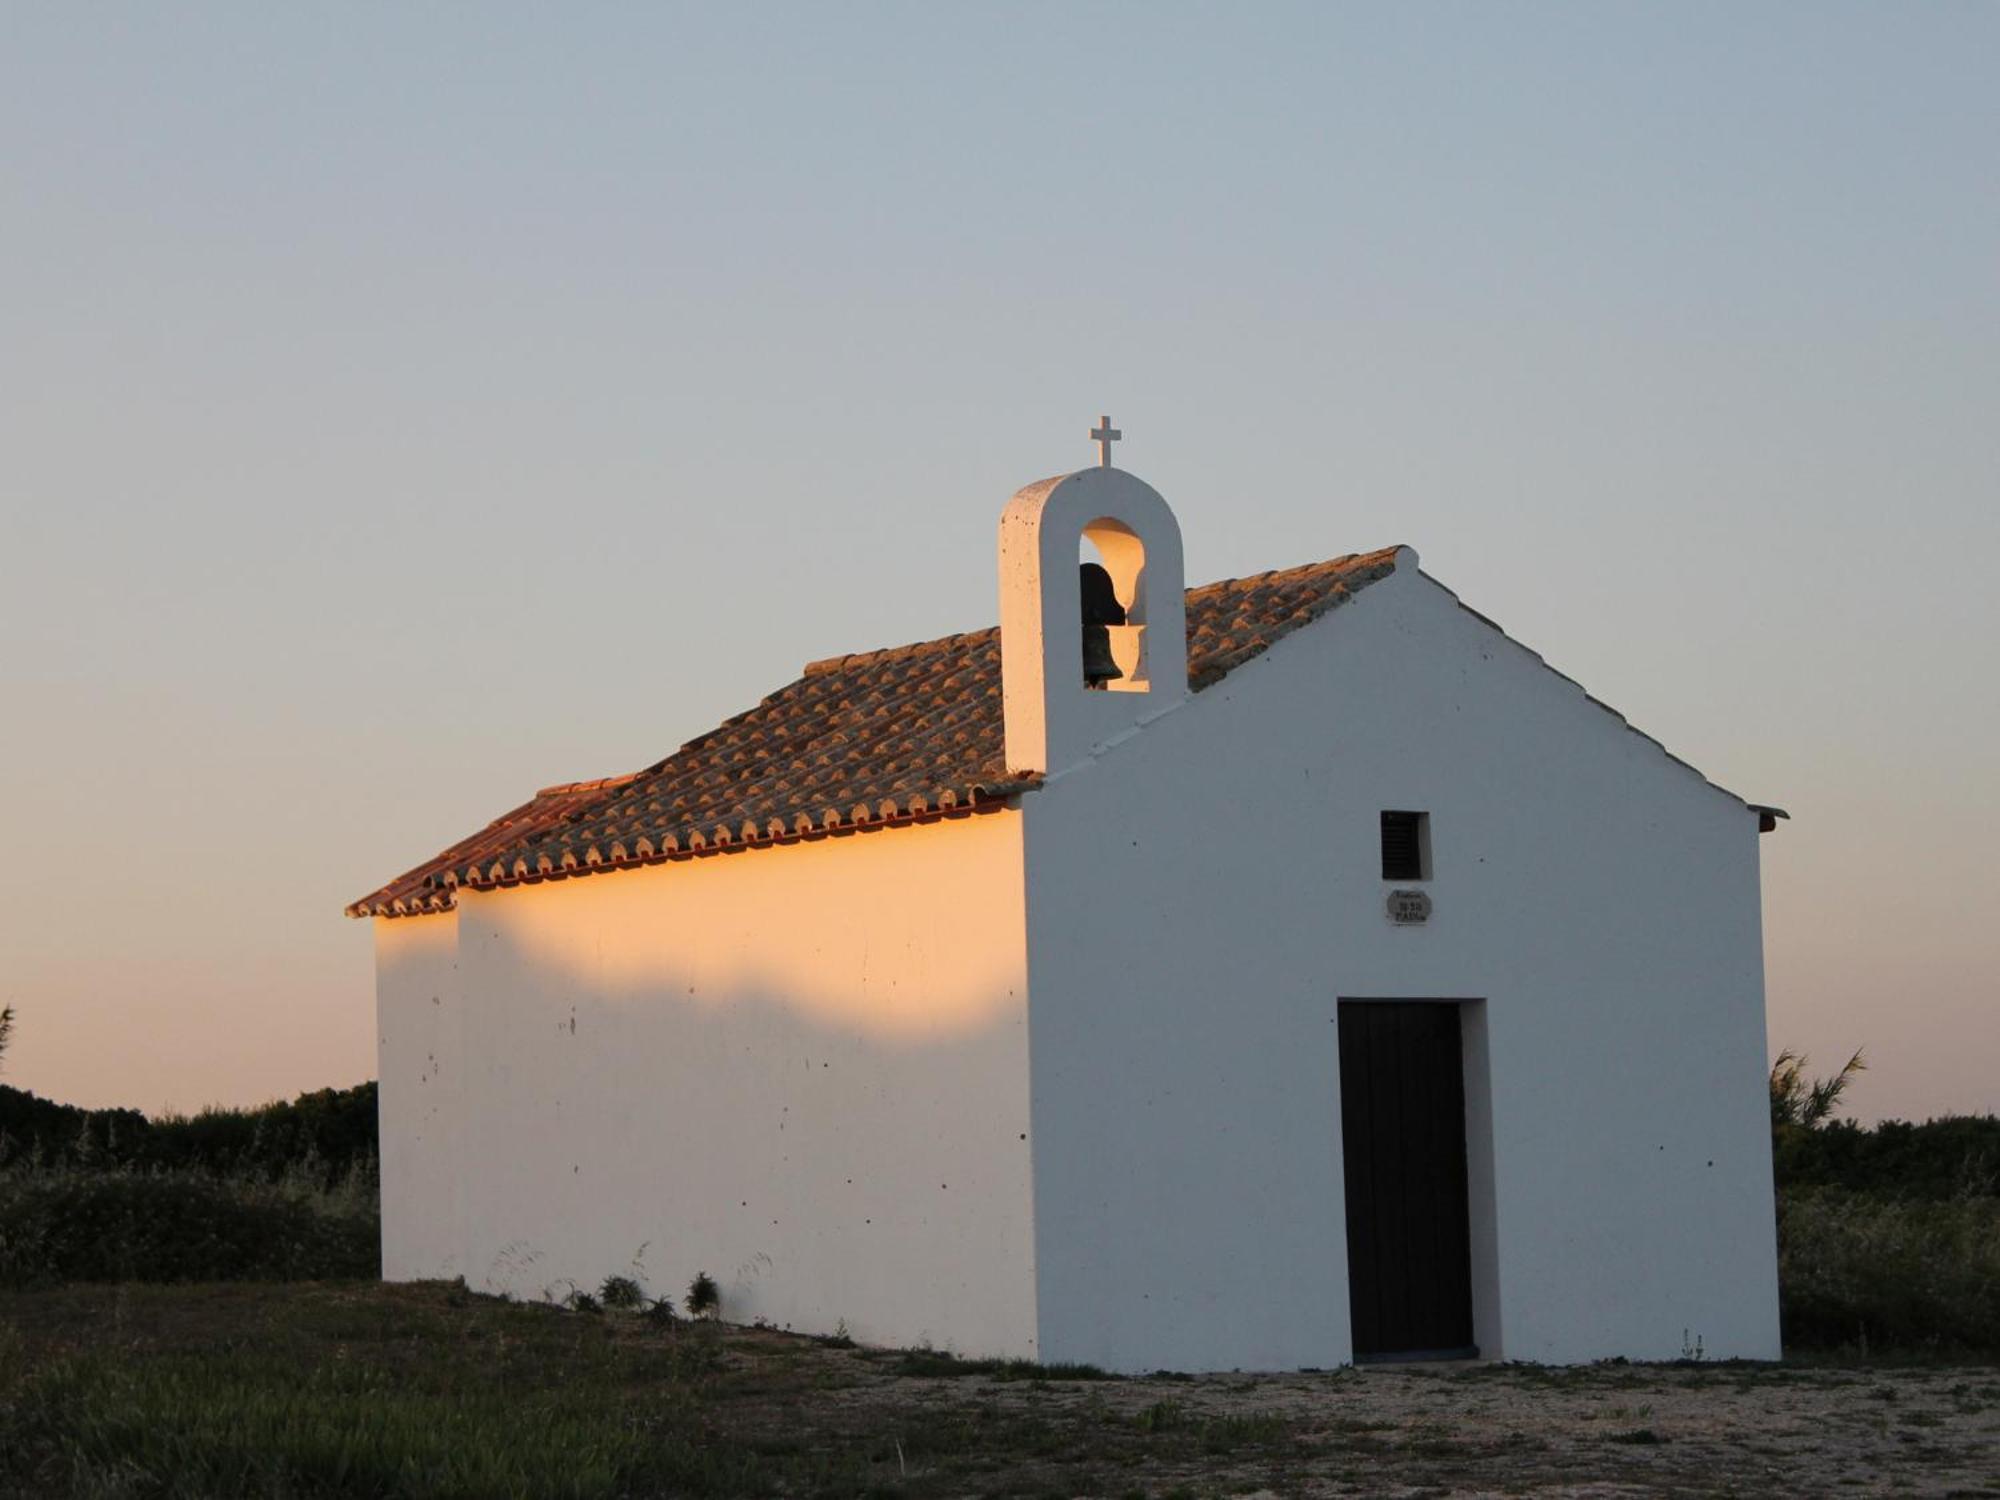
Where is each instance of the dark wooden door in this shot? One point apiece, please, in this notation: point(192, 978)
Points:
point(1402, 1112)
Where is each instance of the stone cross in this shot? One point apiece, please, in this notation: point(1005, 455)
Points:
point(1104, 435)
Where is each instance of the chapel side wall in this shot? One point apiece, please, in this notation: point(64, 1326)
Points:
point(800, 1070)
point(417, 1011)
point(1202, 895)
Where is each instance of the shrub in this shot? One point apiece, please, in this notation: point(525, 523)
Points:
point(621, 1292)
point(330, 1132)
point(1950, 1157)
point(659, 1312)
point(704, 1297)
point(68, 1224)
point(1880, 1273)
point(38, 1131)
point(840, 1338)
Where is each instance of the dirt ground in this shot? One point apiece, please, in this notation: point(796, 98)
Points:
point(1473, 1429)
point(358, 1390)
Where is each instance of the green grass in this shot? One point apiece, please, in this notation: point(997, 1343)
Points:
point(936, 1364)
point(312, 1391)
point(325, 1389)
point(226, 1424)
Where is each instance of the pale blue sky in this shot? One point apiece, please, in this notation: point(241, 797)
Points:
point(403, 408)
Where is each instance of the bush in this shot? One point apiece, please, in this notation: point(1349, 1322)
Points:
point(1951, 1157)
point(334, 1130)
point(704, 1297)
point(34, 1129)
point(329, 1131)
point(66, 1224)
point(1880, 1274)
point(621, 1292)
point(659, 1313)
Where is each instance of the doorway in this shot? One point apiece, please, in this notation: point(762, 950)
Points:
point(1402, 1116)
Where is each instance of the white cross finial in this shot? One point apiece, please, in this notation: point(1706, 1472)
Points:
point(1104, 435)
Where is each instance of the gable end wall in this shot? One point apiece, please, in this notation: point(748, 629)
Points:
point(1201, 896)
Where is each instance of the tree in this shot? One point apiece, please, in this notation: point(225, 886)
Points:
point(6, 1027)
point(1807, 1103)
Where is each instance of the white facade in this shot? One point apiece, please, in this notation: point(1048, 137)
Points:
point(1062, 1081)
point(802, 1072)
point(1202, 896)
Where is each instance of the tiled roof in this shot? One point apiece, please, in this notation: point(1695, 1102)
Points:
point(416, 891)
point(913, 732)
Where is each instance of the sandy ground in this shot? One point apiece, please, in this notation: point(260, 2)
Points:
point(1608, 1430)
point(776, 1413)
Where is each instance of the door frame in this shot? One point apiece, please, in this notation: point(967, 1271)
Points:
point(1481, 1189)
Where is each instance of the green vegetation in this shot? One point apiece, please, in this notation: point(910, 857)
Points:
point(61, 1224)
point(937, 1364)
point(659, 1313)
point(1955, 1157)
point(1888, 1238)
point(704, 1297)
point(331, 1132)
point(1807, 1102)
point(324, 1391)
point(284, 1192)
point(1883, 1274)
point(621, 1292)
point(117, 1389)
point(430, 1392)
point(365, 1390)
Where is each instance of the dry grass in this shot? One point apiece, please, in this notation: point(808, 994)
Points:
point(352, 1390)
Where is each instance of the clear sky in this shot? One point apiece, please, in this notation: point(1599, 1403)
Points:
point(405, 407)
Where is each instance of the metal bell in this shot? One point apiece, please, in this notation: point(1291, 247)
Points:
point(1098, 665)
point(1101, 609)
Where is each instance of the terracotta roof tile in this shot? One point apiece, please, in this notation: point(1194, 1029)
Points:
point(884, 736)
point(417, 891)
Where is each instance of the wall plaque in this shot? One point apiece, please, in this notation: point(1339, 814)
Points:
point(1409, 908)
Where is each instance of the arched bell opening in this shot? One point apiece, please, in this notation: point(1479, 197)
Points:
point(1053, 718)
point(1111, 579)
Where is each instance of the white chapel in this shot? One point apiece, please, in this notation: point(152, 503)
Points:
point(1277, 973)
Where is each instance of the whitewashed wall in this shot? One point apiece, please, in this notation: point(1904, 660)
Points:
point(802, 1070)
point(806, 1071)
point(1202, 895)
point(417, 1011)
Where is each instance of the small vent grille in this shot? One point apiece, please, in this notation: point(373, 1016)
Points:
point(1403, 846)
